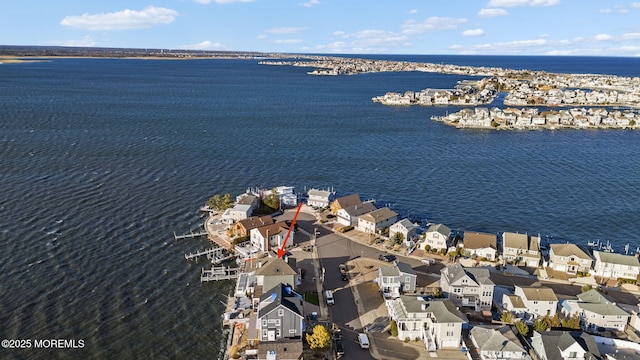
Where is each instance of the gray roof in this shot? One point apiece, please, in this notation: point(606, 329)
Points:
point(443, 310)
point(594, 296)
point(494, 340)
point(603, 309)
point(557, 341)
point(397, 269)
point(521, 241)
point(281, 294)
point(379, 215)
point(406, 224)
point(457, 271)
point(614, 258)
point(319, 193)
point(440, 228)
point(357, 210)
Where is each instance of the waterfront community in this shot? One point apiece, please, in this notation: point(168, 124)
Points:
point(361, 281)
point(610, 100)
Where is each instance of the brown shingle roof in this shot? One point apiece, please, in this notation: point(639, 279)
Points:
point(476, 240)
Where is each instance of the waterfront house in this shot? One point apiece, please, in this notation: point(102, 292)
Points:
point(437, 322)
point(396, 279)
point(243, 227)
point(286, 195)
point(436, 237)
point(269, 237)
point(467, 286)
point(521, 249)
point(344, 202)
point(596, 312)
point(266, 273)
point(538, 300)
point(377, 220)
point(319, 198)
point(406, 228)
point(248, 198)
point(349, 216)
point(569, 258)
point(279, 317)
point(236, 213)
point(615, 266)
point(497, 343)
point(565, 345)
point(481, 245)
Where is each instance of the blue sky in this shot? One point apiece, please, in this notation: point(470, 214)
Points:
point(482, 27)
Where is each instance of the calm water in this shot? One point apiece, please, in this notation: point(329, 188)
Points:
point(101, 160)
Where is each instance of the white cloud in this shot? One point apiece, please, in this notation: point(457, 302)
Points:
point(509, 47)
point(285, 30)
point(310, 3)
point(431, 24)
point(365, 41)
point(631, 36)
point(602, 37)
point(514, 3)
point(221, 1)
point(287, 41)
point(121, 20)
point(204, 45)
point(605, 11)
point(413, 11)
point(340, 33)
point(473, 32)
point(487, 13)
point(635, 5)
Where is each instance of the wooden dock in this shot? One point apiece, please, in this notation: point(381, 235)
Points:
point(219, 273)
point(190, 235)
point(216, 255)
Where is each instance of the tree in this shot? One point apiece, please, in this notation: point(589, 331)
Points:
point(319, 338)
point(393, 328)
point(272, 200)
point(220, 203)
point(540, 325)
point(586, 288)
point(571, 323)
point(554, 322)
point(506, 317)
point(398, 238)
point(522, 327)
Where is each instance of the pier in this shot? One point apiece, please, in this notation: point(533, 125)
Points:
point(215, 254)
point(190, 235)
point(219, 273)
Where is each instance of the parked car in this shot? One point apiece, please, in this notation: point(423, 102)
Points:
point(428, 261)
point(363, 340)
point(388, 258)
point(339, 347)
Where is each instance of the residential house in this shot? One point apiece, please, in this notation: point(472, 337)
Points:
point(280, 315)
point(406, 228)
point(615, 266)
point(280, 350)
point(243, 227)
point(349, 216)
point(521, 249)
point(437, 322)
point(248, 198)
point(569, 258)
point(286, 195)
point(565, 345)
point(319, 198)
point(596, 311)
point(497, 343)
point(514, 304)
point(467, 286)
point(377, 220)
point(344, 202)
point(396, 279)
point(480, 245)
point(538, 300)
point(236, 213)
point(266, 273)
point(436, 237)
point(272, 236)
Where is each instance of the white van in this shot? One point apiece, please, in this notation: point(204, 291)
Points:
point(363, 340)
point(329, 297)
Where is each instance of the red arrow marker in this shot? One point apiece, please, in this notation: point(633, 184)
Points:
point(281, 250)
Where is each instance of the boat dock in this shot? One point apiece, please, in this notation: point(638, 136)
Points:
point(219, 273)
point(215, 254)
point(190, 235)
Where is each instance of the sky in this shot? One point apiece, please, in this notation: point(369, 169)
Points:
point(433, 27)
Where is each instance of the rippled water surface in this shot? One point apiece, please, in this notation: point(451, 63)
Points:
point(101, 160)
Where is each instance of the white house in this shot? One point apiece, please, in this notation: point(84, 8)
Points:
point(596, 311)
point(497, 343)
point(349, 216)
point(319, 198)
point(272, 236)
point(480, 245)
point(467, 286)
point(405, 227)
point(569, 258)
point(396, 279)
point(615, 266)
point(521, 249)
point(436, 237)
point(435, 321)
point(538, 300)
point(237, 212)
point(376, 220)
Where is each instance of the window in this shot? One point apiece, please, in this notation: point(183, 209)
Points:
point(449, 333)
point(278, 322)
point(277, 332)
point(280, 312)
point(264, 333)
point(264, 323)
point(573, 355)
point(535, 303)
point(292, 331)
